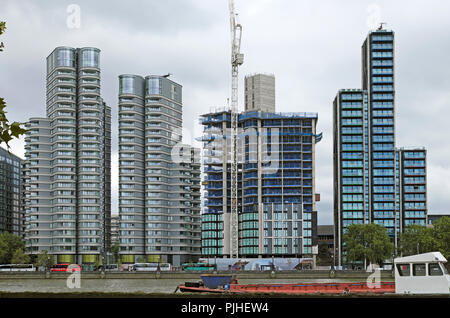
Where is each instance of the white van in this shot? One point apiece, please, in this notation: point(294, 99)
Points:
point(422, 274)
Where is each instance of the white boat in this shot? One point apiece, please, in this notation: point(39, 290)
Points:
point(422, 274)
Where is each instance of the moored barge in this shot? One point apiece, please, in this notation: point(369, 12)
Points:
point(417, 274)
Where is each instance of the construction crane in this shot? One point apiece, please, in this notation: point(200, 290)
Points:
point(237, 59)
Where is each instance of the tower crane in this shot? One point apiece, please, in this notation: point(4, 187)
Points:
point(237, 59)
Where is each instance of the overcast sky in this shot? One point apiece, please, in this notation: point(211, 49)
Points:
point(312, 47)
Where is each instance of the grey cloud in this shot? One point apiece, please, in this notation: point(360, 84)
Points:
point(313, 48)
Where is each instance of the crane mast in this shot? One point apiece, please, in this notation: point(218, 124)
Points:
point(237, 59)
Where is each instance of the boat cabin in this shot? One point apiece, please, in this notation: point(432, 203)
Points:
point(422, 274)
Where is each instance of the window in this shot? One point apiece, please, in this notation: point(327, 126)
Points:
point(419, 269)
point(434, 270)
point(403, 269)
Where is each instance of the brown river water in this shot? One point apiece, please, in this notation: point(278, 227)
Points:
point(142, 285)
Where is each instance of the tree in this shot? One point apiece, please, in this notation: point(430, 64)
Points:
point(417, 239)
point(11, 243)
point(441, 231)
point(140, 259)
point(324, 255)
point(19, 257)
point(115, 252)
point(2, 29)
point(3, 252)
point(8, 131)
point(44, 260)
point(96, 263)
point(367, 242)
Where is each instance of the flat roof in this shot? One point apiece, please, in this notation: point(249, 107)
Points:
point(421, 258)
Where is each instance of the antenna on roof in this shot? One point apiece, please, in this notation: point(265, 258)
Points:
point(381, 25)
point(167, 75)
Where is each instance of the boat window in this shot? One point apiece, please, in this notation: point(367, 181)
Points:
point(434, 269)
point(419, 270)
point(403, 269)
point(445, 269)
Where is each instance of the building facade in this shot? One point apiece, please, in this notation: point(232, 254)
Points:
point(369, 172)
point(68, 163)
point(114, 229)
point(11, 210)
point(325, 235)
point(159, 197)
point(260, 92)
point(276, 184)
point(411, 183)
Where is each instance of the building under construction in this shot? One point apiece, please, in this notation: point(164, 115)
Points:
point(276, 180)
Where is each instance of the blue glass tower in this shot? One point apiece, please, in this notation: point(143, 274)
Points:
point(378, 82)
point(367, 167)
point(276, 182)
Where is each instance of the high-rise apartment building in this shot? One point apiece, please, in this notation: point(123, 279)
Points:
point(260, 93)
point(367, 167)
point(11, 209)
point(276, 183)
point(411, 186)
point(68, 162)
point(159, 196)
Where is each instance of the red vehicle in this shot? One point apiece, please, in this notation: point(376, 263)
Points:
point(65, 268)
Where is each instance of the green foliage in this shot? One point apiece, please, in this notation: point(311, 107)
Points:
point(324, 255)
point(417, 239)
point(367, 242)
point(8, 131)
point(44, 260)
point(9, 244)
point(19, 257)
point(115, 252)
point(96, 263)
point(140, 259)
point(3, 252)
point(441, 231)
point(2, 29)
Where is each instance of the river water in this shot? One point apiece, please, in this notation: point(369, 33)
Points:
point(143, 285)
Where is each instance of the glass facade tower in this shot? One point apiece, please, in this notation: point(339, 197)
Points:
point(12, 217)
point(367, 166)
point(277, 201)
point(411, 186)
